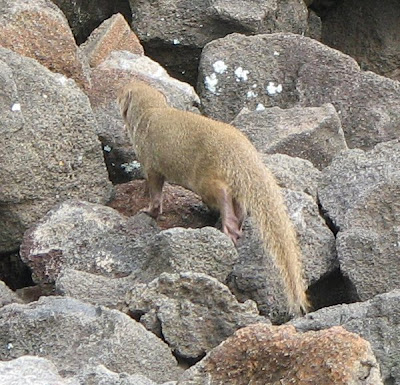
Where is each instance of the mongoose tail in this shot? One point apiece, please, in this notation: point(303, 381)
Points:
point(262, 197)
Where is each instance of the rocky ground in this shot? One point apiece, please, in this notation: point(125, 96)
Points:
point(94, 292)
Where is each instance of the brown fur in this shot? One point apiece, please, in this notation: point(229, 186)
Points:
point(219, 163)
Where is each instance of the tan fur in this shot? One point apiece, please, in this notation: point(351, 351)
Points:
point(219, 163)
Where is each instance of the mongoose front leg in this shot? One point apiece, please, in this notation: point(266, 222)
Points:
point(155, 183)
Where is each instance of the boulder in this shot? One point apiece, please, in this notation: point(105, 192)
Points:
point(288, 70)
point(369, 32)
point(50, 148)
point(312, 133)
point(174, 32)
point(38, 29)
point(192, 311)
point(375, 320)
point(261, 354)
point(73, 334)
point(8, 296)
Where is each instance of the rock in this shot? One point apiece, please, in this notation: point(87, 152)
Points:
point(375, 320)
point(86, 237)
point(73, 334)
point(368, 32)
point(29, 370)
point(174, 31)
point(262, 354)
point(115, 71)
point(255, 276)
point(50, 149)
point(7, 296)
point(352, 175)
point(193, 311)
point(114, 34)
point(294, 173)
point(38, 29)
point(312, 133)
point(100, 375)
point(85, 16)
point(297, 71)
point(369, 246)
point(94, 289)
point(206, 250)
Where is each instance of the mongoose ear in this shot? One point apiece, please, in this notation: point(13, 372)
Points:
point(124, 101)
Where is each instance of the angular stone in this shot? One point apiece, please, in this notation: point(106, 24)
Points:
point(193, 311)
point(376, 320)
point(113, 34)
point(262, 354)
point(294, 71)
point(38, 29)
point(50, 148)
point(312, 133)
point(73, 334)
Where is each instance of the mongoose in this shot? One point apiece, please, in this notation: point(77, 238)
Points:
point(218, 162)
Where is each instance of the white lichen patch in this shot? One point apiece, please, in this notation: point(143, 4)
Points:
point(251, 94)
point(220, 67)
point(273, 89)
point(104, 262)
point(107, 148)
point(62, 79)
point(176, 41)
point(241, 74)
point(131, 166)
point(211, 82)
point(276, 53)
point(16, 107)
point(260, 107)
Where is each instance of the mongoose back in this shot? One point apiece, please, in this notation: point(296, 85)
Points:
point(218, 162)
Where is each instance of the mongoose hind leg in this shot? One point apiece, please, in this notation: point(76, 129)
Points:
point(216, 194)
point(154, 185)
point(240, 212)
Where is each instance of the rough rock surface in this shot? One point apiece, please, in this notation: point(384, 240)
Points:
point(352, 175)
point(30, 370)
point(7, 296)
point(73, 334)
point(194, 312)
point(115, 71)
point(38, 29)
point(294, 173)
point(312, 133)
point(85, 16)
point(174, 31)
point(368, 31)
point(297, 71)
point(261, 354)
point(112, 35)
point(87, 237)
point(376, 320)
point(50, 151)
point(255, 275)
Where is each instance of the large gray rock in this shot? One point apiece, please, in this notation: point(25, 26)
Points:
point(114, 72)
point(294, 173)
point(368, 31)
point(30, 370)
point(376, 320)
point(73, 334)
point(87, 237)
point(313, 133)
point(50, 151)
point(255, 275)
point(193, 311)
point(174, 31)
point(290, 70)
point(352, 175)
